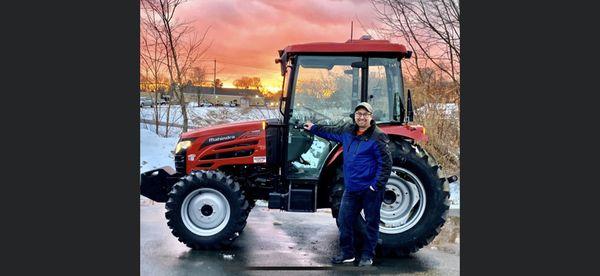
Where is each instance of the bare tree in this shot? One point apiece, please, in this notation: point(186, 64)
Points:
point(152, 57)
point(243, 82)
point(197, 75)
point(182, 45)
point(431, 29)
point(256, 83)
point(218, 83)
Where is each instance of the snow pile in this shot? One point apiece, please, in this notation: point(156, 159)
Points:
point(156, 151)
point(204, 116)
point(455, 195)
point(447, 109)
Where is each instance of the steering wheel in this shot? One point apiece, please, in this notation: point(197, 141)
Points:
point(316, 112)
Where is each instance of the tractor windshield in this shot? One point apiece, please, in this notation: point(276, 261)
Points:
point(327, 88)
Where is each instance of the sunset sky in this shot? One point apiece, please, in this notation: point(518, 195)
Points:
point(246, 34)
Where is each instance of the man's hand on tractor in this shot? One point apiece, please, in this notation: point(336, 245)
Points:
point(308, 125)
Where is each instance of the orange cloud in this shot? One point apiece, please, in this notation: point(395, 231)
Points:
point(246, 35)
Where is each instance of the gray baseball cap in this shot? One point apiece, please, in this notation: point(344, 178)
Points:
point(364, 105)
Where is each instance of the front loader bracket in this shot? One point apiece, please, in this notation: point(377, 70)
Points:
point(156, 184)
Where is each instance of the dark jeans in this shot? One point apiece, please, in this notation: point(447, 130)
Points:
point(352, 204)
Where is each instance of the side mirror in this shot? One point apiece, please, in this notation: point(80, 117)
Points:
point(282, 60)
point(409, 108)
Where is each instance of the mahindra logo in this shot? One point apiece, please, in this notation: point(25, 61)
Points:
point(222, 138)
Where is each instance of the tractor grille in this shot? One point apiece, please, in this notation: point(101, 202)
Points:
point(249, 143)
point(180, 162)
point(231, 154)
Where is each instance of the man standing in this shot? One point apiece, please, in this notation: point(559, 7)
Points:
point(367, 167)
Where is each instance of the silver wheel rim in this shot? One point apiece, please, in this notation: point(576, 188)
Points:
point(205, 212)
point(404, 202)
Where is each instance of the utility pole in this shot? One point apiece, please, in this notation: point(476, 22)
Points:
point(215, 78)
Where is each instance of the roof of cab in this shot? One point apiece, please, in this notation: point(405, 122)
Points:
point(350, 46)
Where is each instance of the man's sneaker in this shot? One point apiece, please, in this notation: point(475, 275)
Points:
point(340, 259)
point(365, 262)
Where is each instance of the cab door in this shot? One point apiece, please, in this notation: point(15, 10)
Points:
point(325, 90)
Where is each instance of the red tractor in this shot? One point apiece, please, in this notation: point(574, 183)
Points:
point(220, 171)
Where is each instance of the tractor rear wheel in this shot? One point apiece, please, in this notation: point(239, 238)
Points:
point(206, 210)
point(415, 203)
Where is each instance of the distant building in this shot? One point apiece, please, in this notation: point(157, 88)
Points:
point(243, 97)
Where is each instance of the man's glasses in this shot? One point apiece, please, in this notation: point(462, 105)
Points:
point(362, 114)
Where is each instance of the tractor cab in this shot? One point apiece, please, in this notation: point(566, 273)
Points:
point(323, 82)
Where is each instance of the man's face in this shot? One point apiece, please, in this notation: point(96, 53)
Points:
point(362, 117)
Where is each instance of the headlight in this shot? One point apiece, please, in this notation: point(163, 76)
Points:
point(182, 145)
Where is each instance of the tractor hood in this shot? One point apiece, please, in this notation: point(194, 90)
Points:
point(231, 129)
point(240, 143)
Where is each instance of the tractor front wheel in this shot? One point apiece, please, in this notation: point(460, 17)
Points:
point(206, 210)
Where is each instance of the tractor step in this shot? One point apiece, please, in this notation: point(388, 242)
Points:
point(301, 197)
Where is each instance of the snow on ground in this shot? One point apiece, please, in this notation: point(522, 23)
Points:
point(448, 109)
point(455, 195)
point(155, 151)
point(203, 116)
point(173, 131)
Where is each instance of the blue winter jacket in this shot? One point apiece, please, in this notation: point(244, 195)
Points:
point(367, 158)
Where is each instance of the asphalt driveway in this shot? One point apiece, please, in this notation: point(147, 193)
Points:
point(275, 243)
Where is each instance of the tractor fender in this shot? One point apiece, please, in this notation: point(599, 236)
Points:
point(156, 184)
point(333, 157)
point(414, 132)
